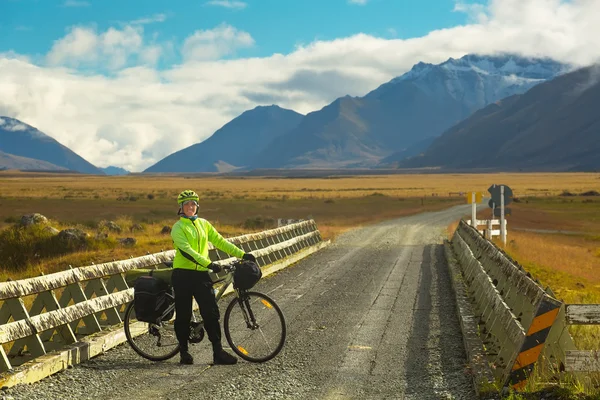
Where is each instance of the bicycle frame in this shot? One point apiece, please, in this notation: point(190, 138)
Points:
point(225, 284)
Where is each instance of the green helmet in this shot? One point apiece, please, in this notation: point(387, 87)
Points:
point(187, 195)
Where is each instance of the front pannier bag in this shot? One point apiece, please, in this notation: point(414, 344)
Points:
point(150, 299)
point(246, 275)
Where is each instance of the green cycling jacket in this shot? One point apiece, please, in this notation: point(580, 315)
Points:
point(193, 237)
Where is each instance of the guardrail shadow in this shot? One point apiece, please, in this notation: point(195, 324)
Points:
point(424, 371)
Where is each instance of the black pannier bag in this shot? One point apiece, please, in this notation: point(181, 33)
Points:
point(150, 298)
point(246, 275)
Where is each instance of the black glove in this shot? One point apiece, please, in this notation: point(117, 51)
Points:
point(214, 267)
point(249, 257)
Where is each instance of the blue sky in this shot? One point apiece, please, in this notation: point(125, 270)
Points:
point(126, 83)
point(277, 26)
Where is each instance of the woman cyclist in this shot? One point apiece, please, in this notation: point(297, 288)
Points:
point(190, 278)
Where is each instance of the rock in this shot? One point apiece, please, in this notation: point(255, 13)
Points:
point(165, 230)
point(136, 228)
point(33, 219)
point(111, 226)
point(127, 241)
point(72, 235)
point(101, 235)
point(51, 230)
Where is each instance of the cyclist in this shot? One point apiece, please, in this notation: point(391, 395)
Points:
point(190, 278)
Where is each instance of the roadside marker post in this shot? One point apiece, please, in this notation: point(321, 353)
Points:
point(473, 211)
point(474, 198)
point(502, 220)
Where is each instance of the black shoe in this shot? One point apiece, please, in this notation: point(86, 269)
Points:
point(222, 357)
point(186, 358)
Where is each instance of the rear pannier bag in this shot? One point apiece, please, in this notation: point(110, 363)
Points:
point(150, 299)
point(246, 275)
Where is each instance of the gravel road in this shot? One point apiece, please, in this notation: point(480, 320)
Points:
point(370, 317)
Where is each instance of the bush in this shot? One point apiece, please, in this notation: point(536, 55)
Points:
point(12, 220)
point(150, 196)
point(259, 222)
point(21, 247)
point(566, 193)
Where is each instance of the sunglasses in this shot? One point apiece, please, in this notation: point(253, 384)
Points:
point(185, 203)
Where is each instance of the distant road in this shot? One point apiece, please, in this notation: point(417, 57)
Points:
point(370, 317)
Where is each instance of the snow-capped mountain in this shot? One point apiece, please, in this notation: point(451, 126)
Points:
point(421, 104)
point(552, 127)
point(20, 139)
point(476, 81)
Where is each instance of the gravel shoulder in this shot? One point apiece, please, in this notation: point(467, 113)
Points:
point(371, 316)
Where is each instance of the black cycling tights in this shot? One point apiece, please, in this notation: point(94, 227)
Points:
point(197, 284)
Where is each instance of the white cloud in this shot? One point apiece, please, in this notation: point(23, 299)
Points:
point(227, 4)
point(359, 2)
point(475, 11)
point(76, 3)
point(139, 115)
point(12, 55)
point(149, 20)
point(215, 43)
point(113, 49)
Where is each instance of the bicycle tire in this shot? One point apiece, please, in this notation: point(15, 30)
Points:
point(234, 347)
point(134, 346)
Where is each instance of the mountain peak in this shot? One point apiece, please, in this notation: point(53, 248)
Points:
point(20, 139)
point(502, 64)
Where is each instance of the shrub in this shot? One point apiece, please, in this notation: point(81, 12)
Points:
point(150, 196)
point(566, 193)
point(259, 222)
point(21, 247)
point(12, 220)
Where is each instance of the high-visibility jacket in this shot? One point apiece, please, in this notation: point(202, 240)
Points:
point(192, 237)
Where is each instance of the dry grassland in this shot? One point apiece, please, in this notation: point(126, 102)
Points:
point(240, 205)
point(412, 185)
point(557, 240)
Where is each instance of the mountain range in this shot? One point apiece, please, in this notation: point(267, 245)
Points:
point(27, 143)
point(554, 126)
point(386, 124)
point(493, 112)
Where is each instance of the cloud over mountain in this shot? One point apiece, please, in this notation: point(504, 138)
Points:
point(136, 115)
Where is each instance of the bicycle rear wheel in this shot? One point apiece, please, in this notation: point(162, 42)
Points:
point(254, 327)
point(151, 341)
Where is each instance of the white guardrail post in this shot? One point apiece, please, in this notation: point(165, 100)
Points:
point(521, 325)
point(50, 322)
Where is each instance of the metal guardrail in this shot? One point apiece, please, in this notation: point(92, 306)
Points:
point(68, 306)
point(521, 324)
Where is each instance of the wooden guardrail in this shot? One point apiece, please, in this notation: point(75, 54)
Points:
point(488, 232)
point(521, 324)
point(582, 360)
point(67, 307)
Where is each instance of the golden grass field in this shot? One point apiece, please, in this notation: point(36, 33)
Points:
point(237, 205)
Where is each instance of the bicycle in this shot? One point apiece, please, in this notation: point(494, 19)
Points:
point(250, 321)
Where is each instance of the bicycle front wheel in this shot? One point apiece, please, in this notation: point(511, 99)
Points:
point(151, 341)
point(254, 327)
